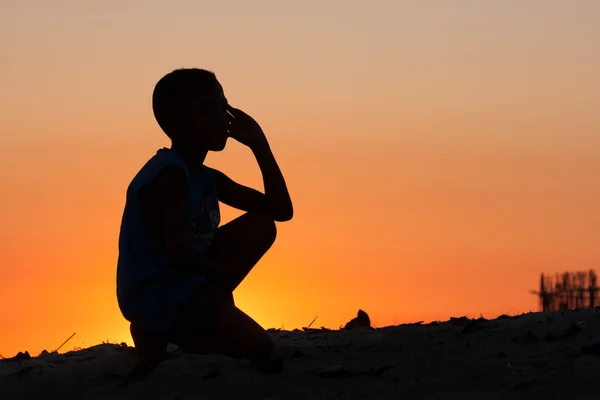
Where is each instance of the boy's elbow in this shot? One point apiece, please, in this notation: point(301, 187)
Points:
point(282, 218)
point(278, 210)
point(284, 215)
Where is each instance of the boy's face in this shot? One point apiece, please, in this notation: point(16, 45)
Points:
point(205, 118)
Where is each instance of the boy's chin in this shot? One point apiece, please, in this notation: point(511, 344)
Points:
point(219, 145)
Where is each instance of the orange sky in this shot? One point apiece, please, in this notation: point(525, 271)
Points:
point(439, 157)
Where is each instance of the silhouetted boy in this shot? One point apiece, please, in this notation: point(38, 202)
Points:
point(177, 268)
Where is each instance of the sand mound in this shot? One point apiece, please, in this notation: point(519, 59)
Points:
point(536, 355)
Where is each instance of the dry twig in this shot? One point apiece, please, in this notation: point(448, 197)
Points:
point(65, 342)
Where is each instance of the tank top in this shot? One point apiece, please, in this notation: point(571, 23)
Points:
point(149, 287)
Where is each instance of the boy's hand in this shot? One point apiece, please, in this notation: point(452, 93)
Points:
point(245, 129)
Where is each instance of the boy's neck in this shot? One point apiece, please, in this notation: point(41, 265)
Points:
point(195, 160)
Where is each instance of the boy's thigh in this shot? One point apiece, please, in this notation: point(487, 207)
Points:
point(241, 243)
point(228, 246)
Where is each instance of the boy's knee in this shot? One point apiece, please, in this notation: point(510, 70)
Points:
point(266, 226)
point(270, 230)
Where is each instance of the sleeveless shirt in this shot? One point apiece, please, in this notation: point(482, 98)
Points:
point(150, 289)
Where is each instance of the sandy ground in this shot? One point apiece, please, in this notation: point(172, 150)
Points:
point(533, 356)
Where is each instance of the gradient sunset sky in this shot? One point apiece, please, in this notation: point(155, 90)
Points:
point(440, 154)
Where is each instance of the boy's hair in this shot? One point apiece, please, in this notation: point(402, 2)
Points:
point(172, 89)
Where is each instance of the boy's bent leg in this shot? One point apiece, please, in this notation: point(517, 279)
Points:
point(244, 337)
point(240, 244)
point(210, 323)
point(147, 346)
point(151, 351)
point(240, 334)
point(202, 321)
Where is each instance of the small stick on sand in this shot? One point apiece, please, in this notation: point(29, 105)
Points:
point(64, 342)
point(312, 322)
point(1, 357)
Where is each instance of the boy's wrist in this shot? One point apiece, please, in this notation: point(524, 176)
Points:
point(260, 147)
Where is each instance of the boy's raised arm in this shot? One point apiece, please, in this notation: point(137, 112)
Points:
point(276, 190)
point(276, 200)
point(275, 203)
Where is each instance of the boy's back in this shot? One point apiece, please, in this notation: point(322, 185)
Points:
point(144, 273)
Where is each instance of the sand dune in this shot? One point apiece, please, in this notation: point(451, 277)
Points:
point(536, 355)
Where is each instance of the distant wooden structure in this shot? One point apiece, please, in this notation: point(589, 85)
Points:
point(568, 291)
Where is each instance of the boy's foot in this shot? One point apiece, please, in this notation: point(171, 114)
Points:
point(147, 347)
point(150, 351)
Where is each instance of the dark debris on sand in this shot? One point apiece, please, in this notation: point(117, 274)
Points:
point(362, 320)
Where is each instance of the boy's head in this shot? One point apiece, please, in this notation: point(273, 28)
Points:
point(190, 107)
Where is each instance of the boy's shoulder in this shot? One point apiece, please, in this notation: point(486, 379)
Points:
point(159, 161)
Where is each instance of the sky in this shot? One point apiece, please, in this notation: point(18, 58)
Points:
point(440, 155)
